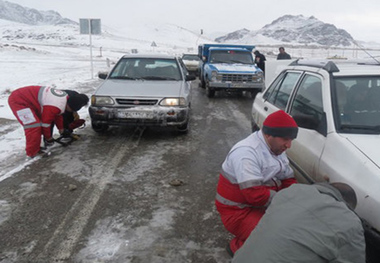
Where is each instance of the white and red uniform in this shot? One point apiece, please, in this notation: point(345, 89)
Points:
point(36, 107)
point(251, 175)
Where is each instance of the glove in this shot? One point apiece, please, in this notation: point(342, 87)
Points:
point(76, 124)
point(75, 115)
point(49, 143)
point(66, 133)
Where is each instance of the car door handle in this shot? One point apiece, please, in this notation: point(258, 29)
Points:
point(266, 108)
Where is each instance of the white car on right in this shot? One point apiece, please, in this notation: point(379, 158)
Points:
point(337, 108)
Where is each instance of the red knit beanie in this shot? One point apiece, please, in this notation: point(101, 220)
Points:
point(280, 124)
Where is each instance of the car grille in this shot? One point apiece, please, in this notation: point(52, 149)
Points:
point(239, 78)
point(134, 102)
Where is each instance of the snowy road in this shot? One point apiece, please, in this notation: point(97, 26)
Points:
point(108, 197)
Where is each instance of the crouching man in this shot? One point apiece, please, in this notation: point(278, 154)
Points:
point(254, 170)
point(307, 223)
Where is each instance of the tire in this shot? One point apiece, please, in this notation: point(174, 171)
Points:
point(254, 93)
point(202, 83)
point(99, 128)
point(183, 129)
point(254, 126)
point(209, 92)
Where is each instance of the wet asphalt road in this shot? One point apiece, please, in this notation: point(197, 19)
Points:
point(108, 197)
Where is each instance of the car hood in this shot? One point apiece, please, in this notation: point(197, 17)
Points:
point(143, 88)
point(228, 68)
point(365, 144)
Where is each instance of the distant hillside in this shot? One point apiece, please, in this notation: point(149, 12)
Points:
point(25, 25)
point(293, 30)
point(17, 13)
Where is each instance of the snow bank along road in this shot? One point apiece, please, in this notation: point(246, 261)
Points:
point(109, 197)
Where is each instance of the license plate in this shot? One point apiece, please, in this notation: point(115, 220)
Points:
point(135, 115)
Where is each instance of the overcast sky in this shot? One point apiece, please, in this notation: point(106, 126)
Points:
point(359, 18)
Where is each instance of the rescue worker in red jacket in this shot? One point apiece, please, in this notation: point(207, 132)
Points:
point(36, 107)
point(253, 171)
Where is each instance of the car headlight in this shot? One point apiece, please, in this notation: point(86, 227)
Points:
point(173, 102)
point(214, 74)
point(260, 77)
point(101, 101)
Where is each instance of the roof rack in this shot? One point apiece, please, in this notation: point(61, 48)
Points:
point(327, 65)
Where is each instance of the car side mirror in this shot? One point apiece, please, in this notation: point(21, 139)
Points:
point(312, 123)
point(190, 77)
point(102, 75)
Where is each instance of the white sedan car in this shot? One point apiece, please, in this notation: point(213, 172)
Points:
point(143, 90)
point(337, 107)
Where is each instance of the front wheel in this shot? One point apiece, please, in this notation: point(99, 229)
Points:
point(254, 93)
point(100, 128)
point(202, 82)
point(184, 128)
point(209, 91)
point(254, 126)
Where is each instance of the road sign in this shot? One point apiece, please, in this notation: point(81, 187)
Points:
point(87, 25)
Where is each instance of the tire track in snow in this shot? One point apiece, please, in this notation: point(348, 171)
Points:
point(60, 246)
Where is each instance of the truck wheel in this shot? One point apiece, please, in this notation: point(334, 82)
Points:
point(209, 91)
point(202, 83)
point(254, 93)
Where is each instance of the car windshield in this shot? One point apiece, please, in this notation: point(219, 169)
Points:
point(356, 102)
point(231, 56)
point(190, 57)
point(147, 69)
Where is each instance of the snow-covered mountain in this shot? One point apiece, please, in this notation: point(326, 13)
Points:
point(24, 25)
point(293, 30)
point(168, 38)
point(17, 13)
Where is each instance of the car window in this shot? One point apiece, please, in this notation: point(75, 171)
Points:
point(183, 66)
point(231, 56)
point(146, 68)
point(191, 57)
point(281, 92)
point(307, 104)
point(274, 84)
point(356, 103)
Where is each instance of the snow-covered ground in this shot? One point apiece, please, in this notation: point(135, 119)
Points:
point(59, 56)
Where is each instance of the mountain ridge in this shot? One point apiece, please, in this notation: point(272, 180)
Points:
point(293, 29)
point(17, 13)
point(285, 30)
